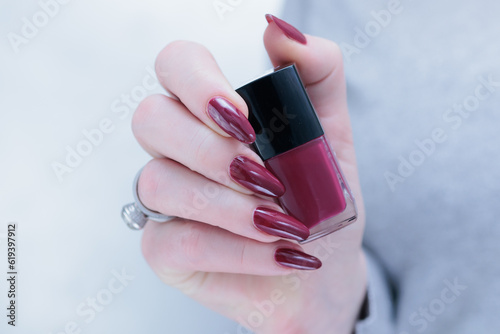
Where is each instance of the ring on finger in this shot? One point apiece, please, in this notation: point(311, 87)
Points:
point(136, 214)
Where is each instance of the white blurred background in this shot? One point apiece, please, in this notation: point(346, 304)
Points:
point(67, 76)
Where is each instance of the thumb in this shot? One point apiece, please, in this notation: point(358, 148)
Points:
point(320, 66)
point(319, 62)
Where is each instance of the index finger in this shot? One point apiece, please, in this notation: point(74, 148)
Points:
point(189, 71)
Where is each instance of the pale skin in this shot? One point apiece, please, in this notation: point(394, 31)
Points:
point(213, 252)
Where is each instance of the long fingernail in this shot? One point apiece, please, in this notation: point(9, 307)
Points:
point(253, 176)
point(289, 30)
point(278, 224)
point(230, 119)
point(295, 259)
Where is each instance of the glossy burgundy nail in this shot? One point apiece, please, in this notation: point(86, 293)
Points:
point(230, 119)
point(289, 30)
point(253, 176)
point(295, 259)
point(278, 224)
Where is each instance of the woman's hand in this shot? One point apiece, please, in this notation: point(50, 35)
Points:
point(228, 249)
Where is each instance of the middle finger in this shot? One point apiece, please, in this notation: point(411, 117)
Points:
point(172, 189)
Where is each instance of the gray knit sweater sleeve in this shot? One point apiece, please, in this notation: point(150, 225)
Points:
point(380, 307)
point(423, 86)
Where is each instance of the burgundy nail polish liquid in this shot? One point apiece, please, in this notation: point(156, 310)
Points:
point(292, 144)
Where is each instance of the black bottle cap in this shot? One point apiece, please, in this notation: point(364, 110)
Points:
point(280, 112)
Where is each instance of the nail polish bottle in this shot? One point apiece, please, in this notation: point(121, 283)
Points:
point(292, 144)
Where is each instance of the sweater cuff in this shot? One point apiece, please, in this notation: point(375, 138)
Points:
point(377, 313)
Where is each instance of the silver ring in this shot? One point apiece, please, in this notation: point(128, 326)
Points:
point(136, 215)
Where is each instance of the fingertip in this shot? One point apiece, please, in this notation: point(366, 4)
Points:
point(287, 29)
point(316, 61)
point(230, 119)
point(296, 259)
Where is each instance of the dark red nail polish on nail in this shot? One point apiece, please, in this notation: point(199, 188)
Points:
point(278, 224)
point(230, 119)
point(295, 259)
point(291, 142)
point(253, 176)
point(289, 30)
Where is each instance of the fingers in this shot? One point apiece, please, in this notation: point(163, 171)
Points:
point(319, 62)
point(182, 245)
point(172, 189)
point(189, 71)
point(165, 128)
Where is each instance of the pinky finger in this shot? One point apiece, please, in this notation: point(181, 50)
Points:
point(183, 245)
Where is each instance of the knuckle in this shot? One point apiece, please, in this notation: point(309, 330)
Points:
point(176, 52)
point(336, 54)
point(201, 146)
point(196, 75)
point(243, 250)
point(190, 245)
point(159, 248)
point(148, 247)
point(148, 186)
point(145, 113)
point(171, 49)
